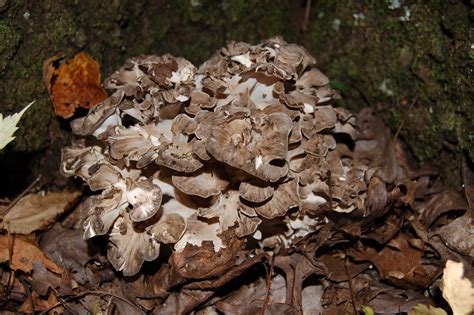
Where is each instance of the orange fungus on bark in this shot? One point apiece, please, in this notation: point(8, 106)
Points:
point(73, 84)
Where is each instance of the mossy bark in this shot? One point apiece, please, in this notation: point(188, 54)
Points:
point(386, 53)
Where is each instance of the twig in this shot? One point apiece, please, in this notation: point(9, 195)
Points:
point(61, 300)
point(11, 244)
point(350, 287)
point(109, 309)
point(23, 193)
point(28, 294)
point(268, 284)
point(415, 100)
point(83, 294)
point(364, 97)
point(304, 27)
point(10, 283)
point(330, 189)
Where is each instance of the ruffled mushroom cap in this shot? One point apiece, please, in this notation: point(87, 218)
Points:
point(203, 183)
point(257, 145)
point(136, 143)
point(148, 72)
point(284, 198)
point(178, 153)
point(99, 117)
point(145, 198)
point(129, 248)
point(103, 211)
point(77, 160)
point(104, 176)
point(253, 192)
point(169, 229)
point(197, 232)
point(249, 145)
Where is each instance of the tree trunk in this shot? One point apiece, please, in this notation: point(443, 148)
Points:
point(411, 61)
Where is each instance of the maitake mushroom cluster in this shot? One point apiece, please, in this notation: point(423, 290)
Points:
point(248, 146)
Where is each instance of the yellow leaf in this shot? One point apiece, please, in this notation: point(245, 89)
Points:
point(421, 309)
point(8, 126)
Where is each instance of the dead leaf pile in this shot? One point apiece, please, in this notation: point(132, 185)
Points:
point(388, 260)
point(406, 247)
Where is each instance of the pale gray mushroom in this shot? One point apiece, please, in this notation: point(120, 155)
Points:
point(284, 198)
point(247, 146)
point(145, 198)
point(137, 143)
point(99, 117)
point(254, 191)
point(203, 183)
point(258, 144)
point(129, 248)
point(169, 229)
point(78, 159)
point(104, 176)
point(103, 211)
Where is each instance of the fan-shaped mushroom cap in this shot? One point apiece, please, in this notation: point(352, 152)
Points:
point(136, 143)
point(104, 177)
point(129, 248)
point(284, 198)
point(78, 159)
point(99, 117)
point(103, 211)
point(169, 229)
point(253, 192)
point(203, 183)
point(145, 197)
point(255, 145)
point(198, 231)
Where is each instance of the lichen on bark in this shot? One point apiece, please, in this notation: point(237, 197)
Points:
point(396, 53)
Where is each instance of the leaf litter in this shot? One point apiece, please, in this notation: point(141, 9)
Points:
point(363, 232)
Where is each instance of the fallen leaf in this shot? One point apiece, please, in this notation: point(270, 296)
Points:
point(35, 211)
point(43, 279)
point(399, 262)
point(459, 234)
point(183, 302)
point(8, 126)
point(40, 304)
point(366, 310)
point(82, 259)
point(422, 309)
point(24, 254)
point(440, 204)
point(200, 262)
point(458, 291)
point(394, 301)
point(74, 84)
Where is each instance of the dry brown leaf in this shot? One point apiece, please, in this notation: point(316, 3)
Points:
point(35, 211)
point(458, 291)
point(206, 262)
point(40, 304)
point(399, 263)
point(74, 84)
point(24, 253)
